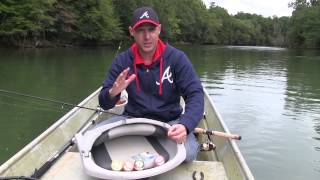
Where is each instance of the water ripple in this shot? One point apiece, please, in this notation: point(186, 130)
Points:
point(273, 100)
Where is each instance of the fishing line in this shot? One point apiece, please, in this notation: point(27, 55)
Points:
point(40, 108)
point(49, 100)
point(25, 104)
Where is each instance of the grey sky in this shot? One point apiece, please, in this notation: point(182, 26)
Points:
point(265, 8)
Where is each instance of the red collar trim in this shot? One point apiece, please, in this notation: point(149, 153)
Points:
point(139, 60)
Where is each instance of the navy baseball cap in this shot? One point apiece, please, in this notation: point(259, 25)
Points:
point(144, 15)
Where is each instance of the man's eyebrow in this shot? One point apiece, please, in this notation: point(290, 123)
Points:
point(139, 29)
point(146, 27)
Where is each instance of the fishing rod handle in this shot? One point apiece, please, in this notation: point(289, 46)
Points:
point(217, 133)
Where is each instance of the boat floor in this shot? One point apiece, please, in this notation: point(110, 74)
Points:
point(69, 166)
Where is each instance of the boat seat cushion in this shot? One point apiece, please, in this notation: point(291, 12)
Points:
point(123, 148)
point(144, 136)
point(131, 129)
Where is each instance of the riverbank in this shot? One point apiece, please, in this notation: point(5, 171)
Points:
point(53, 44)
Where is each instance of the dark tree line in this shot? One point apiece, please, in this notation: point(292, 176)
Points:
point(304, 27)
point(40, 23)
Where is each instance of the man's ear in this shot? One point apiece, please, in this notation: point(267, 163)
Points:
point(131, 30)
point(159, 28)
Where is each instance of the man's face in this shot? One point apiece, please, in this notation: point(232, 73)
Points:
point(146, 36)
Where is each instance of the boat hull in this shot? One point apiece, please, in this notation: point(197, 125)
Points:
point(57, 140)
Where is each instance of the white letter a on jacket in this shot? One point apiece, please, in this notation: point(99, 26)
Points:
point(167, 75)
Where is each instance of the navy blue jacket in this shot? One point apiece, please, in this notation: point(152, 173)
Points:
point(178, 79)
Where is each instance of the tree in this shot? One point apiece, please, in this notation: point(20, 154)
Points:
point(224, 24)
point(31, 22)
point(166, 10)
point(25, 20)
point(95, 21)
point(305, 27)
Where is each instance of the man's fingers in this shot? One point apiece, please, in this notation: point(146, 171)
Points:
point(174, 131)
point(179, 139)
point(118, 78)
point(122, 76)
point(171, 131)
point(180, 136)
point(125, 74)
point(121, 79)
point(131, 78)
point(121, 83)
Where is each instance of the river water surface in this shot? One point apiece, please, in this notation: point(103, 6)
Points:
point(271, 96)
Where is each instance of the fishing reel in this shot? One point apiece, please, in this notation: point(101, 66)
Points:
point(207, 146)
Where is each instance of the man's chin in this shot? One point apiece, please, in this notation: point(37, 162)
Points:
point(147, 49)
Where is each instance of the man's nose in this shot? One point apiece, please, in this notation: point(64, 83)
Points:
point(147, 34)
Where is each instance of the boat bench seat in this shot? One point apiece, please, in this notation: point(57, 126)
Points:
point(69, 166)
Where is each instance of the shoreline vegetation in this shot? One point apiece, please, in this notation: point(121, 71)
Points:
point(68, 23)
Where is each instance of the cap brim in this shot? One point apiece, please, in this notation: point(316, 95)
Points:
point(145, 21)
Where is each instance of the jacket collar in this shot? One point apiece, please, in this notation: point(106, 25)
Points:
point(138, 58)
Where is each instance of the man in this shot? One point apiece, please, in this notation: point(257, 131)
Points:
point(155, 75)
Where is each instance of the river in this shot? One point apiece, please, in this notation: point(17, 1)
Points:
point(271, 96)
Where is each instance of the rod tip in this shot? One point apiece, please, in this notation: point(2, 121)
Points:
point(239, 137)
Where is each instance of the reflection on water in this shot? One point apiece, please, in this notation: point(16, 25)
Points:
point(271, 96)
point(257, 48)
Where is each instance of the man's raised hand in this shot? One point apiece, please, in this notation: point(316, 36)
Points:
point(121, 82)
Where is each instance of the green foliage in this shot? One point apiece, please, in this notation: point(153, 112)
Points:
point(305, 27)
point(169, 20)
point(301, 4)
point(42, 20)
point(107, 22)
point(25, 19)
point(124, 10)
point(94, 20)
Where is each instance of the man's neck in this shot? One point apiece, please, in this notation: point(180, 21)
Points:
point(147, 57)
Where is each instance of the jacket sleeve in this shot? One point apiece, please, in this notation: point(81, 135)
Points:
point(105, 101)
point(192, 92)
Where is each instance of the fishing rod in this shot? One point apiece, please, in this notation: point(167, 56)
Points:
point(60, 102)
point(196, 130)
point(48, 100)
point(217, 133)
point(18, 177)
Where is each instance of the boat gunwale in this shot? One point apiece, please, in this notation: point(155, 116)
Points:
point(233, 144)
